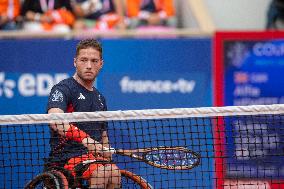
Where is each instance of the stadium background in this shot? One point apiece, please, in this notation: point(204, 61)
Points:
point(223, 68)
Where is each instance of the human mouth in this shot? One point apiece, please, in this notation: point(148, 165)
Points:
point(89, 73)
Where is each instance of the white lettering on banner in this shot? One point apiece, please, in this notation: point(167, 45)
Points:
point(39, 85)
point(244, 101)
point(45, 83)
point(26, 85)
point(268, 49)
point(245, 77)
point(245, 183)
point(157, 86)
point(246, 90)
point(30, 84)
point(6, 86)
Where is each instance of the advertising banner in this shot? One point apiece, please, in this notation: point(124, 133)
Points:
point(141, 73)
point(248, 67)
point(28, 70)
point(160, 73)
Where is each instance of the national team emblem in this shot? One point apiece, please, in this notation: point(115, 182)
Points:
point(57, 96)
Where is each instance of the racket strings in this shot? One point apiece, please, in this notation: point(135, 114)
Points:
point(173, 158)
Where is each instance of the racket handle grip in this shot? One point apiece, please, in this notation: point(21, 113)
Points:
point(112, 150)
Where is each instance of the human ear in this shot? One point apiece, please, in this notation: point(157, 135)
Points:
point(74, 62)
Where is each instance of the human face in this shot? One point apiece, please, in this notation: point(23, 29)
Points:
point(88, 64)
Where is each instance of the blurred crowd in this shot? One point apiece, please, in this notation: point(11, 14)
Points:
point(275, 15)
point(67, 15)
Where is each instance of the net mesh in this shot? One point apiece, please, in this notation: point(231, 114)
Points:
point(238, 147)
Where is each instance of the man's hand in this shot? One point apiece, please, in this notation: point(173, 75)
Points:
point(96, 148)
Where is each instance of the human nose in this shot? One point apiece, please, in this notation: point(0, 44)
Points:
point(89, 64)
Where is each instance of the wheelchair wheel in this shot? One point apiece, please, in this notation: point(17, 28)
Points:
point(62, 179)
point(131, 180)
point(48, 180)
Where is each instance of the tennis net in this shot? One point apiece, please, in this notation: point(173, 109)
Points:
point(211, 147)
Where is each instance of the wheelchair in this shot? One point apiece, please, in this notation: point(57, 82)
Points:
point(55, 177)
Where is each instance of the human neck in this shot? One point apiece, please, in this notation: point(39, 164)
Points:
point(87, 84)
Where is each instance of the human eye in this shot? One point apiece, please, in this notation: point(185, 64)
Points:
point(95, 61)
point(84, 60)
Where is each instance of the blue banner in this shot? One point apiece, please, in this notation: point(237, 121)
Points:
point(253, 70)
point(160, 73)
point(141, 73)
point(28, 70)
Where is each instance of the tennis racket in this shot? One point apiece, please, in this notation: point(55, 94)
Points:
point(171, 158)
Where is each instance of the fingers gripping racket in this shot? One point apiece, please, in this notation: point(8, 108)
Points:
point(172, 158)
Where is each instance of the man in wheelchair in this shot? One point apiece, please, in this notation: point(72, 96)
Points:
point(74, 143)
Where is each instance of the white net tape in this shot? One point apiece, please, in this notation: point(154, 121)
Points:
point(142, 114)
